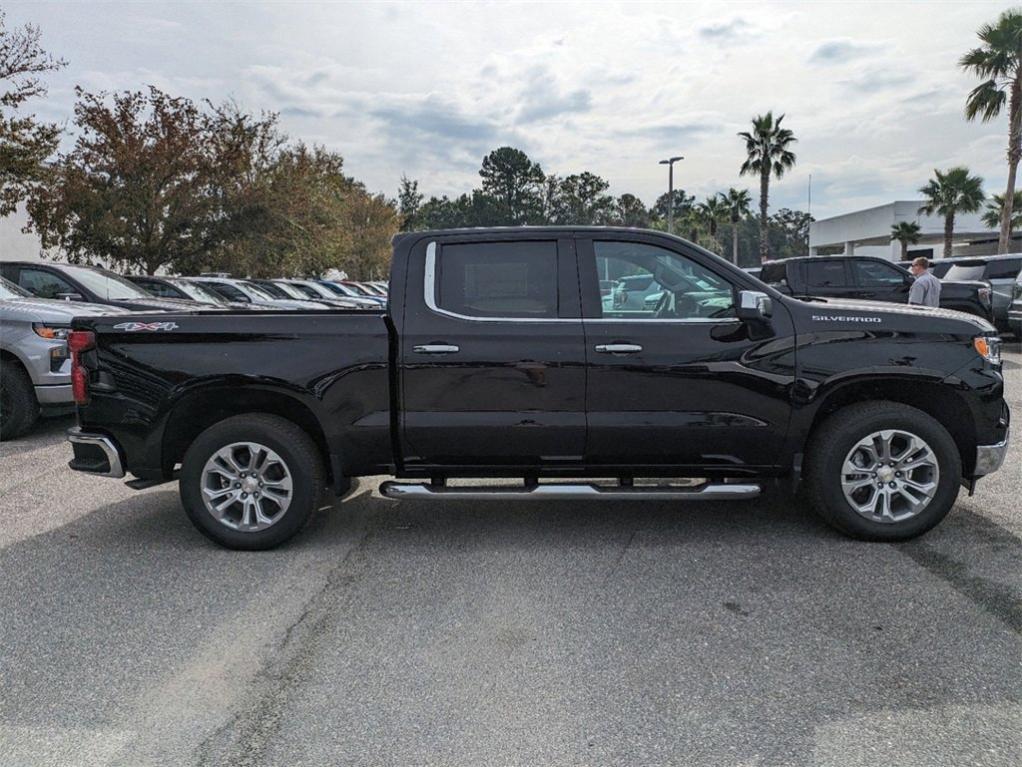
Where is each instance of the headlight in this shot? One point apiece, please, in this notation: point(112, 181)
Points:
point(52, 332)
point(989, 348)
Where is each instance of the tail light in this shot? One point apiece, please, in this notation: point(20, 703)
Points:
point(78, 342)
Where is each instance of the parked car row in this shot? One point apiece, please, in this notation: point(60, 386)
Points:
point(38, 300)
point(34, 359)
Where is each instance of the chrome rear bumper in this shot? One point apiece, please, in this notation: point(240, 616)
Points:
point(105, 464)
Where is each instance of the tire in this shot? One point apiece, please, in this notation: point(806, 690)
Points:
point(289, 457)
point(19, 408)
point(827, 468)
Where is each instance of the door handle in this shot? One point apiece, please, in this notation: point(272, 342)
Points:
point(436, 349)
point(618, 348)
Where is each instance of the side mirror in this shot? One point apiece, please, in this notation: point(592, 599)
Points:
point(754, 305)
point(70, 297)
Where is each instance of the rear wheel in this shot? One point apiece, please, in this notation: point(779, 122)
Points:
point(251, 481)
point(18, 406)
point(882, 471)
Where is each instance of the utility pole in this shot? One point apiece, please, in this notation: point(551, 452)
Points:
point(669, 162)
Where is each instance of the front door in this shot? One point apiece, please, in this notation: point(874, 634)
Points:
point(492, 359)
point(681, 381)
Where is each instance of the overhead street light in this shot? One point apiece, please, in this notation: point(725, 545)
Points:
point(669, 162)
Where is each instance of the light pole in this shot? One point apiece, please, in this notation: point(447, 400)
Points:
point(670, 190)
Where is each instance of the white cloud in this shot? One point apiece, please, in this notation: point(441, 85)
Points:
point(875, 98)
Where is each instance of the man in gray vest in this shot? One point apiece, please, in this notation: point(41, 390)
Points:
point(926, 288)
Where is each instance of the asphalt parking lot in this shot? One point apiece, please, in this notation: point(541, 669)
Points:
point(502, 634)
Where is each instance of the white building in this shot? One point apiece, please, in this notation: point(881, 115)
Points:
point(868, 232)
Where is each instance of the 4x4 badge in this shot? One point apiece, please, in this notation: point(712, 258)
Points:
point(132, 327)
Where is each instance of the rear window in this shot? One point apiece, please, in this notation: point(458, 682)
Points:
point(966, 271)
point(498, 279)
point(774, 274)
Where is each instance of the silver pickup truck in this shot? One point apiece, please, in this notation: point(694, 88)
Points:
point(35, 368)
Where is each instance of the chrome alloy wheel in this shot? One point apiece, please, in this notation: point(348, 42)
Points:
point(246, 486)
point(890, 476)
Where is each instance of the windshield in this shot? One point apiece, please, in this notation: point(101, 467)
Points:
point(197, 292)
point(105, 284)
point(965, 272)
point(360, 290)
point(255, 291)
point(10, 290)
point(340, 289)
point(288, 291)
point(333, 287)
point(314, 289)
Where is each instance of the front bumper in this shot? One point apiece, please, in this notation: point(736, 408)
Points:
point(989, 458)
point(1015, 320)
point(54, 394)
point(95, 454)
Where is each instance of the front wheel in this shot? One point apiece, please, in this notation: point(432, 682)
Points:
point(18, 406)
point(882, 471)
point(251, 481)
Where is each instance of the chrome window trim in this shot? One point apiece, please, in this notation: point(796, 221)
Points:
point(429, 296)
point(690, 321)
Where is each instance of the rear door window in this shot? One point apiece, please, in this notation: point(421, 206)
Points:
point(160, 289)
point(969, 270)
point(826, 274)
point(498, 279)
point(775, 274)
point(1004, 270)
point(874, 274)
point(44, 284)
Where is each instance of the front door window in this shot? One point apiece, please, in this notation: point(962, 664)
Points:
point(653, 283)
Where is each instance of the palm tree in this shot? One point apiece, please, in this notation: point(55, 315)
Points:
point(737, 204)
point(712, 212)
point(950, 192)
point(768, 154)
point(907, 233)
point(999, 61)
point(995, 209)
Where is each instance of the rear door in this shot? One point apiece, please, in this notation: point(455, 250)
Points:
point(880, 281)
point(684, 383)
point(491, 352)
point(828, 278)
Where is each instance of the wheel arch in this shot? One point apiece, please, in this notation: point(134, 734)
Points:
point(9, 356)
point(196, 411)
point(938, 400)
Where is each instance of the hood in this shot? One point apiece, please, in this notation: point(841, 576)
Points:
point(847, 312)
point(288, 303)
point(166, 304)
point(52, 310)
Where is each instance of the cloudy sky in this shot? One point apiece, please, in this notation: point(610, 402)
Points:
point(872, 91)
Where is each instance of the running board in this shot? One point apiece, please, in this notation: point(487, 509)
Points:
point(565, 492)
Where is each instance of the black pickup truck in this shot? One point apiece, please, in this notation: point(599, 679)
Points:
point(871, 279)
point(498, 357)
